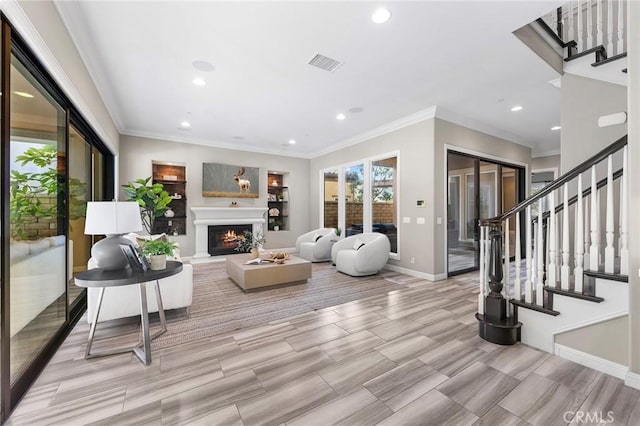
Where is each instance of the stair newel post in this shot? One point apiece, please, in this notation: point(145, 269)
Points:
point(482, 280)
point(551, 270)
point(610, 27)
point(624, 216)
point(589, 25)
point(540, 258)
point(621, 21)
point(579, 231)
point(517, 281)
point(609, 251)
point(594, 249)
point(507, 270)
point(527, 284)
point(599, 29)
point(565, 272)
point(495, 304)
point(559, 28)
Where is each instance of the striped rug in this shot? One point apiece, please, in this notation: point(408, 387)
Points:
point(219, 306)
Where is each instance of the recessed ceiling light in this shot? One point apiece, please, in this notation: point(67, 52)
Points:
point(199, 82)
point(292, 142)
point(381, 15)
point(23, 94)
point(203, 66)
point(556, 128)
point(185, 124)
point(516, 108)
point(340, 116)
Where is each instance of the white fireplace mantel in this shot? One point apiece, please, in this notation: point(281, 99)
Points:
point(206, 216)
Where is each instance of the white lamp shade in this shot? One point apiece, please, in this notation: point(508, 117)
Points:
point(112, 217)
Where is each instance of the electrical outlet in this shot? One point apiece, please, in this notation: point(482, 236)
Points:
point(413, 259)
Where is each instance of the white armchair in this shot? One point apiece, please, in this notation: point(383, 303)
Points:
point(361, 254)
point(122, 302)
point(315, 246)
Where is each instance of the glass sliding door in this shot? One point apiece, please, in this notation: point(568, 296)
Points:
point(477, 189)
point(37, 199)
point(354, 197)
point(384, 183)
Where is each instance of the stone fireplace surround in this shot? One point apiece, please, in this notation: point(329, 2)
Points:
point(206, 216)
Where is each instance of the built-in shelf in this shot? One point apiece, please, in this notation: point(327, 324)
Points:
point(277, 202)
point(173, 177)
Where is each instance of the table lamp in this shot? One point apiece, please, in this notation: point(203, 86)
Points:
point(111, 218)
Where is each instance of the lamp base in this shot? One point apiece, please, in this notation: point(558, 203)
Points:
point(108, 255)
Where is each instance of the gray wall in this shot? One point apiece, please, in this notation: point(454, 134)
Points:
point(45, 19)
point(608, 340)
point(584, 100)
point(137, 153)
point(546, 162)
point(422, 177)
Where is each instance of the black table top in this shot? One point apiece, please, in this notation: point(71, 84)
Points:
point(127, 276)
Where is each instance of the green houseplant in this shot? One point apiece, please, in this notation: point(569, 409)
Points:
point(158, 250)
point(338, 231)
point(152, 199)
point(249, 242)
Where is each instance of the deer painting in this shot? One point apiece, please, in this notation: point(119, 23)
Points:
point(244, 184)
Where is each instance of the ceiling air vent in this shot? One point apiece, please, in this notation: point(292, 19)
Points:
point(324, 63)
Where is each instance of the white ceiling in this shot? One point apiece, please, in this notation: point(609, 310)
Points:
point(460, 56)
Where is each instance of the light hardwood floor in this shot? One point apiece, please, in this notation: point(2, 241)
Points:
point(405, 358)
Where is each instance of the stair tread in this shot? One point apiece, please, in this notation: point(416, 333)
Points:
point(574, 294)
point(534, 307)
point(587, 52)
point(607, 276)
point(610, 59)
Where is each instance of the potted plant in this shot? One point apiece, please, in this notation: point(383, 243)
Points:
point(152, 199)
point(249, 243)
point(158, 250)
point(338, 232)
point(276, 225)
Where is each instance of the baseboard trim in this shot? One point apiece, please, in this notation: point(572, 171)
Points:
point(604, 365)
point(632, 380)
point(417, 274)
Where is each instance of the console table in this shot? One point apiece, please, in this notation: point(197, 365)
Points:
point(103, 279)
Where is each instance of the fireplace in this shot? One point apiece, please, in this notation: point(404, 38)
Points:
point(223, 239)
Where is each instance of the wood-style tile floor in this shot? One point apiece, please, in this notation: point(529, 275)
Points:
point(406, 358)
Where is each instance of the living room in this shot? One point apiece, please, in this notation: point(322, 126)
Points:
point(417, 131)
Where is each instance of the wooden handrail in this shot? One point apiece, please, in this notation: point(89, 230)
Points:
point(558, 183)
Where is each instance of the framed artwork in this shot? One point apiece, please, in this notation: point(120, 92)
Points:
point(225, 180)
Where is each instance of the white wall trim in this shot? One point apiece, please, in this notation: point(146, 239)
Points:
point(417, 274)
point(600, 364)
point(632, 379)
point(548, 169)
point(21, 22)
point(408, 120)
point(591, 321)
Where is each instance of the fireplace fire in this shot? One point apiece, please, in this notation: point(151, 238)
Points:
point(223, 239)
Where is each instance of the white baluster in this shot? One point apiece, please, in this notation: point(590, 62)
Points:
point(579, 231)
point(481, 274)
point(610, 27)
point(570, 30)
point(527, 233)
point(609, 251)
point(589, 25)
point(565, 271)
point(506, 288)
point(587, 236)
point(540, 259)
point(594, 249)
point(599, 29)
point(580, 29)
point(517, 281)
point(624, 229)
point(621, 19)
point(552, 278)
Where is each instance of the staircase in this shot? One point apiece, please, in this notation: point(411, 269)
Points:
point(569, 264)
point(591, 36)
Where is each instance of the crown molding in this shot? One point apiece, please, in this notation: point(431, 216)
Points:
point(408, 120)
point(21, 22)
point(216, 144)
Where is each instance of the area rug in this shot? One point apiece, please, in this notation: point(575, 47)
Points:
point(219, 306)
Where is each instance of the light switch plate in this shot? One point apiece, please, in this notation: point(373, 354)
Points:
point(420, 220)
point(439, 220)
point(406, 219)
